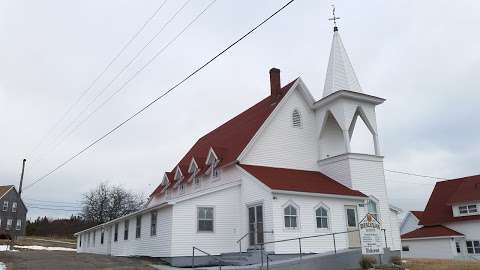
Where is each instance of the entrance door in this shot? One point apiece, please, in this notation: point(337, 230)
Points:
point(255, 224)
point(352, 225)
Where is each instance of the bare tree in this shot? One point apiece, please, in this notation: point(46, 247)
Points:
point(107, 202)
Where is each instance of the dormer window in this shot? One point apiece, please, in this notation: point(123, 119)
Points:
point(296, 119)
point(470, 209)
point(212, 161)
point(182, 188)
point(215, 171)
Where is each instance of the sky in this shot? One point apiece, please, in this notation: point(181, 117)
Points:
point(421, 56)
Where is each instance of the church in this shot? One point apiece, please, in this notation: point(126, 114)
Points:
point(282, 169)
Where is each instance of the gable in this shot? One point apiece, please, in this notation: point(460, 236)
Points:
point(279, 143)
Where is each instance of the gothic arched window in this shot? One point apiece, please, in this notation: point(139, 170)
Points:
point(290, 214)
point(322, 217)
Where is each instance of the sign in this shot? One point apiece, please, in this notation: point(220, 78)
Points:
point(371, 236)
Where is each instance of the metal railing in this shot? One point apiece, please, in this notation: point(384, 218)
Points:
point(299, 239)
point(208, 254)
point(239, 241)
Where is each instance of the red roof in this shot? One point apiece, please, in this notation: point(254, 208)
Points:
point(431, 231)
point(445, 193)
point(418, 214)
point(298, 180)
point(233, 136)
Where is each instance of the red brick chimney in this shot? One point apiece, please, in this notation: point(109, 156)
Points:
point(275, 84)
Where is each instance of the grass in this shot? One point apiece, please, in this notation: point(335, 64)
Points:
point(431, 264)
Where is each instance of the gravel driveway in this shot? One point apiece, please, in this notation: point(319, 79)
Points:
point(53, 260)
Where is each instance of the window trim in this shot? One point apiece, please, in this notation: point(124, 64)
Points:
point(138, 227)
point(475, 248)
point(198, 218)
point(297, 216)
point(327, 209)
point(153, 222)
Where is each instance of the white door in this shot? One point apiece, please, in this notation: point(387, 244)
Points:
point(351, 218)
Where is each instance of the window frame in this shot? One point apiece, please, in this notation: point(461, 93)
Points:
point(474, 247)
point(326, 216)
point(115, 232)
point(290, 216)
point(205, 219)
point(468, 209)
point(153, 222)
point(126, 227)
point(14, 207)
point(9, 224)
point(5, 206)
point(405, 248)
point(18, 226)
point(138, 227)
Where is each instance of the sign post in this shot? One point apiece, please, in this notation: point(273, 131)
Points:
point(371, 236)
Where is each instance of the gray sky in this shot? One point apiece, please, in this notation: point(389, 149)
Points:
point(422, 56)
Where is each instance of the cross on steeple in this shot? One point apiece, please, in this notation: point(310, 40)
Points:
point(334, 19)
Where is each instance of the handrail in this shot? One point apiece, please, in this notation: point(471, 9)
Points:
point(239, 241)
point(307, 237)
point(206, 253)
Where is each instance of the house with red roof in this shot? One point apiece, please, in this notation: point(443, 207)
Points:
point(449, 228)
point(284, 168)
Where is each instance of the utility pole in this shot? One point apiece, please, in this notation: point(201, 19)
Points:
point(14, 225)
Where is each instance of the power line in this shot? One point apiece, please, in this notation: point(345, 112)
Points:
point(418, 175)
point(63, 135)
point(85, 91)
point(55, 209)
point(175, 86)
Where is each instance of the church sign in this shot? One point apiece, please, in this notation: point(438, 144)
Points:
point(371, 236)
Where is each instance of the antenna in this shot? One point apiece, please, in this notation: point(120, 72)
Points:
point(334, 19)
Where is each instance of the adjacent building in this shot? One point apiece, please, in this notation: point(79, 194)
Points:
point(13, 213)
point(449, 228)
point(283, 168)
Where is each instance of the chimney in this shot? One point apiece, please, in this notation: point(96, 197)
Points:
point(275, 85)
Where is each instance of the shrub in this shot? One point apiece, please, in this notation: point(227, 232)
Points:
point(397, 260)
point(367, 262)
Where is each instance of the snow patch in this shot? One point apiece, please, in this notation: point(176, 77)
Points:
point(2, 266)
point(46, 248)
point(6, 248)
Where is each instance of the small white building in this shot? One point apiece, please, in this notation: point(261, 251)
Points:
point(449, 228)
point(284, 168)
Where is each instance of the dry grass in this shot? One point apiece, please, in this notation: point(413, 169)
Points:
point(430, 264)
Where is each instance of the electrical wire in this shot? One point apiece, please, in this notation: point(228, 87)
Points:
point(107, 67)
point(175, 86)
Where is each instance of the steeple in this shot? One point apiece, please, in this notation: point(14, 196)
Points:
point(340, 73)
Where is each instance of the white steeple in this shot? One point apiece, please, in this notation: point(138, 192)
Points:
point(340, 73)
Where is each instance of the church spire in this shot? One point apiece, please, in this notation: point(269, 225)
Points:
point(340, 73)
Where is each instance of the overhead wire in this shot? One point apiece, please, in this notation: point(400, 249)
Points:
point(175, 86)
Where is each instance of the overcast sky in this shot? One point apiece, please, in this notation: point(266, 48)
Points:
point(422, 56)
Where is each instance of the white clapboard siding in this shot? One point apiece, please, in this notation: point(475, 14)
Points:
point(282, 145)
point(429, 248)
point(410, 223)
point(253, 192)
point(306, 206)
point(226, 223)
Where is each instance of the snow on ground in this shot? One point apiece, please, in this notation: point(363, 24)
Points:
point(2, 266)
point(46, 248)
point(6, 248)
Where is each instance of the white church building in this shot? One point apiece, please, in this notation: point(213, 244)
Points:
point(283, 168)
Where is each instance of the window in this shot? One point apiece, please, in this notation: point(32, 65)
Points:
point(102, 236)
point(153, 223)
point(80, 240)
point(115, 233)
point(290, 214)
point(182, 188)
point(19, 225)
point(405, 248)
point(473, 247)
point(322, 218)
point(196, 181)
point(88, 239)
point(94, 240)
point(138, 227)
point(205, 219)
point(215, 171)
point(457, 246)
point(9, 224)
point(14, 207)
point(296, 119)
point(5, 206)
point(125, 231)
point(468, 209)
point(372, 208)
